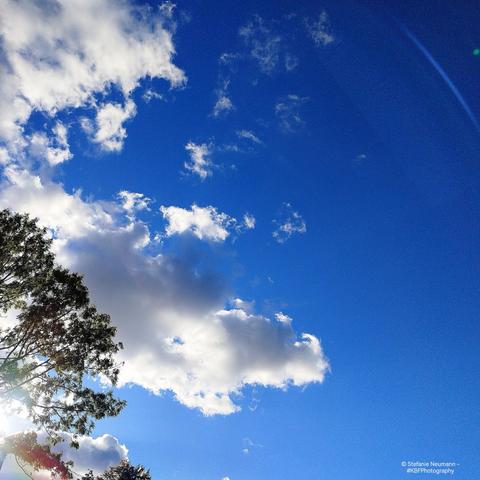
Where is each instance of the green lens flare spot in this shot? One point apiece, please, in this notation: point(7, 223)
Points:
point(476, 52)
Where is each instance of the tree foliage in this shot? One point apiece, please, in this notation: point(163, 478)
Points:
point(58, 339)
point(123, 471)
point(26, 449)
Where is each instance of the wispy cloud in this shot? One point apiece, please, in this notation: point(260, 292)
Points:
point(287, 111)
point(319, 30)
point(264, 45)
point(248, 135)
point(200, 162)
point(289, 222)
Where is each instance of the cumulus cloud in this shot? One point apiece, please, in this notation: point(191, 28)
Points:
point(287, 111)
point(171, 310)
point(289, 222)
point(203, 222)
point(200, 163)
point(54, 148)
point(133, 202)
point(97, 454)
point(67, 214)
point(319, 30)
point(53, 56)
point(109, 131)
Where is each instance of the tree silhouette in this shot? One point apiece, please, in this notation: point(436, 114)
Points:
point(123, 471)
point(57, 339)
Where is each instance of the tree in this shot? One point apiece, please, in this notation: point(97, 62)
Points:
point(27, 450)
point(123, 471)
point(58, 340)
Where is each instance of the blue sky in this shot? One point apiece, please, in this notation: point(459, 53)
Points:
point(298, 168)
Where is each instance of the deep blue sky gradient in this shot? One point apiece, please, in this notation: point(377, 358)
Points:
point(388, 272)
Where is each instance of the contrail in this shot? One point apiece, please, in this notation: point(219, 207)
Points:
point(444, 75)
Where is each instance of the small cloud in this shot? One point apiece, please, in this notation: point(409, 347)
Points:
point(291, 62)
point(248, 135)
point(133, 202)
point(108, 130)
point(223, 103)
point(249, 221)
point(289, 222)
point(283, 318)
point(222, 106)
point(263, 44)
point(360, 157)
point(205, 223)
point(200, 163)
point(287, 111)
point(249, 446)
point(319, 30)
point(150, 95)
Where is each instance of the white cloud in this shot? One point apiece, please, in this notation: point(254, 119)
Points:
point(150, 95)
point(58, 55)
point(133, 202)
point(249, 221)
point(319, 30)
point(287, 110)
point(264, 45)
point(206, 223)
point(97, 454)
point(109, 130)
point(67, 214)
point(248, 135)
point(291, 62)
point(249, 445)
point(200, 163)
point(283, 318)
point(222, 105)
point(184, 338)
point(288, 223)
point(54, 148)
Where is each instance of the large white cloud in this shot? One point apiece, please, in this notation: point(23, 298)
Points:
point(53, 56)
point(171, 311)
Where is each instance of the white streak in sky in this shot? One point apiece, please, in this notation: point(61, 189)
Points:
point(444, 75)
